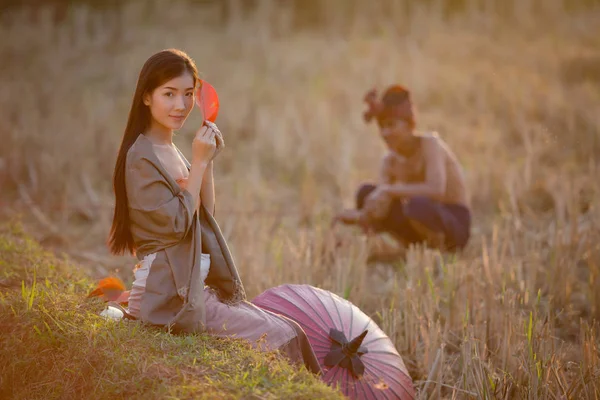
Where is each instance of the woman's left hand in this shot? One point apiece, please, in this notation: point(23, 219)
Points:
point(218, 137)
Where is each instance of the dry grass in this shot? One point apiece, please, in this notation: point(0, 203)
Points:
point(513, 89)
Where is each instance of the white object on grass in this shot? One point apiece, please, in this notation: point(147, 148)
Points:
point(112, 313)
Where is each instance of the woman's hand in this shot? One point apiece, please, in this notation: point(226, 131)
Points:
point(204, 145)
point(220, 142)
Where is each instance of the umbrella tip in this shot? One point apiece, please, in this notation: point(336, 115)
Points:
point(357, 341)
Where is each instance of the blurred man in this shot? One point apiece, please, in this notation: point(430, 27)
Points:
point(421, 195)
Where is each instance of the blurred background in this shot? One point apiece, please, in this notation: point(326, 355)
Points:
point(513, 86)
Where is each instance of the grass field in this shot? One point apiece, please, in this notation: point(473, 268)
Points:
point(513, 87)
point(54, 345)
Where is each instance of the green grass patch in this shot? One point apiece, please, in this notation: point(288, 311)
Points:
point(54, 345)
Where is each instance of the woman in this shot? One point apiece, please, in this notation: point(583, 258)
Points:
point(186, 279)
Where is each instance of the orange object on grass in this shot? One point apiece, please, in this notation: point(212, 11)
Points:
point(208, 101)
point(111, 289)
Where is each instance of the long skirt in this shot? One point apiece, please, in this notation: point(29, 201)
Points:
point(265, 330)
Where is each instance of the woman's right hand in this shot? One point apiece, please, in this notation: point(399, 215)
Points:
point(218, 138)
point(204, 145)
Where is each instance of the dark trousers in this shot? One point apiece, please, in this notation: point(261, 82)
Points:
point(453, 220)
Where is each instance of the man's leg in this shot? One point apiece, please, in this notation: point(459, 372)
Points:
point(381, 248)
point(395, 221)
point(361, 194)
point(423, 215)
point(400, 225)
point(367, 221)
point(437, 223)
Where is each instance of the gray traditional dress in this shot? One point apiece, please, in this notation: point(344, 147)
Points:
point(174, 241)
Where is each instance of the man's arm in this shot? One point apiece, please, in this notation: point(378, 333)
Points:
point(434, 185)
point(386, 170)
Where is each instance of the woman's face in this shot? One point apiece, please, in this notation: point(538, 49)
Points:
point(171, 103)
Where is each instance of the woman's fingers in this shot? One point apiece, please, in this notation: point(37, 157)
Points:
point(220, 141)
point(202, 131)
point(206, 133)
point(211, 125)
point(209, 133)
point(219, 135)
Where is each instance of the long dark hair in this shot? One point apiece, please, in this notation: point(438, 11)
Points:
point(158, 69)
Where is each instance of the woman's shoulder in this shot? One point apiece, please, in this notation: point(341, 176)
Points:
point(139, 150)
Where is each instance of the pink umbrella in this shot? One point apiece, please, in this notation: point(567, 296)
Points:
point(354, 353)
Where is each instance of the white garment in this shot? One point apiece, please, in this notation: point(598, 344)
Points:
point(204, 266)
point(141, 275)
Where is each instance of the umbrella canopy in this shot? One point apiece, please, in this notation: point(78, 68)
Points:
point(354, 353)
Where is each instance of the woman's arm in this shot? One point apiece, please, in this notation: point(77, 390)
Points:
point(207, 191)
point(203, 150)
point(152, 205)
point(195, 180)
